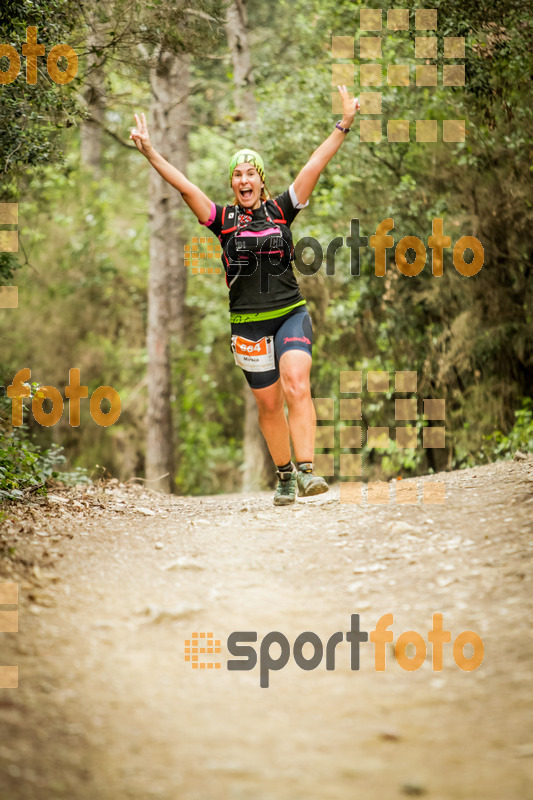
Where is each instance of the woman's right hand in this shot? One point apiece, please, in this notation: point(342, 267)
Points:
point(141, 136)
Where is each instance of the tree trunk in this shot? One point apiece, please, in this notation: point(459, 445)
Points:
point(94, 95)
point(257, 460)
point(167, 280)
point(237, 36)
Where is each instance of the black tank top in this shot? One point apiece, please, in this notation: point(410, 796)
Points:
point(257, 252)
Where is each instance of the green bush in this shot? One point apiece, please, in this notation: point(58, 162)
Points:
point(520, 437)
point(24, 464)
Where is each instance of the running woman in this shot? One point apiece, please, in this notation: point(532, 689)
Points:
point(271, 328)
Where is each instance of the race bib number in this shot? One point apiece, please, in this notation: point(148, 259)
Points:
point(253, 356)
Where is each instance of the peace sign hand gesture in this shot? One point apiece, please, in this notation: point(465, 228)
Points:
point(141, 136)
point(350, 105)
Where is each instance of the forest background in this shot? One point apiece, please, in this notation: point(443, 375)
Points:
point(102, 280)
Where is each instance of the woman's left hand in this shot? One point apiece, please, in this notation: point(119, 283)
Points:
point(350, 105)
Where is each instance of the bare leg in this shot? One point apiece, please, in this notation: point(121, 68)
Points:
point(295, 369)
point(273, 422)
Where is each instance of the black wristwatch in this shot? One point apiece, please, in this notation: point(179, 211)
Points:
point(343, 130)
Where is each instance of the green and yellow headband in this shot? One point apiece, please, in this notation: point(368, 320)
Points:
point(247, 157)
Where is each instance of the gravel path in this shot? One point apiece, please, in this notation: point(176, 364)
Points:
point(114, 580)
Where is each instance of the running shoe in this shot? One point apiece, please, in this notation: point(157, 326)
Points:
point(309, 483)
point(286, 491)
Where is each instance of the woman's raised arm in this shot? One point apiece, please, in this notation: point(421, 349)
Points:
point(308, 176)
point(198, 202)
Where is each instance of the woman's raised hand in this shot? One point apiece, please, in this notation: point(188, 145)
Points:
point(141, 136)
point(350, 105)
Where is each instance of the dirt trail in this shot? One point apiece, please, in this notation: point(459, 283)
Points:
point(113, 581)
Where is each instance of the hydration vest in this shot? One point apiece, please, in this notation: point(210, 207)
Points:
point(242, 235)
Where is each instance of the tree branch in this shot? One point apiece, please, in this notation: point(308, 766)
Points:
point(201, 14)
point(388, 164)
point(110, 133)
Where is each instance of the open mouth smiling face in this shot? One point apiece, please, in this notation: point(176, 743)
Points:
point(246, 183)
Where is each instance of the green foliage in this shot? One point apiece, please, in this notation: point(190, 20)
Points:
point(9, 264)
point(209, 402)
point(79, 476)
point(87, 243)
point(520, 437)
point(24, 463)
point(18, 468)
point(32, 116)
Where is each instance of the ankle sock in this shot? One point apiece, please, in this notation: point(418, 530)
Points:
point(288, 467)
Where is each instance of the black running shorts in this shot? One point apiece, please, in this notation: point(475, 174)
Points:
point(292, 331)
